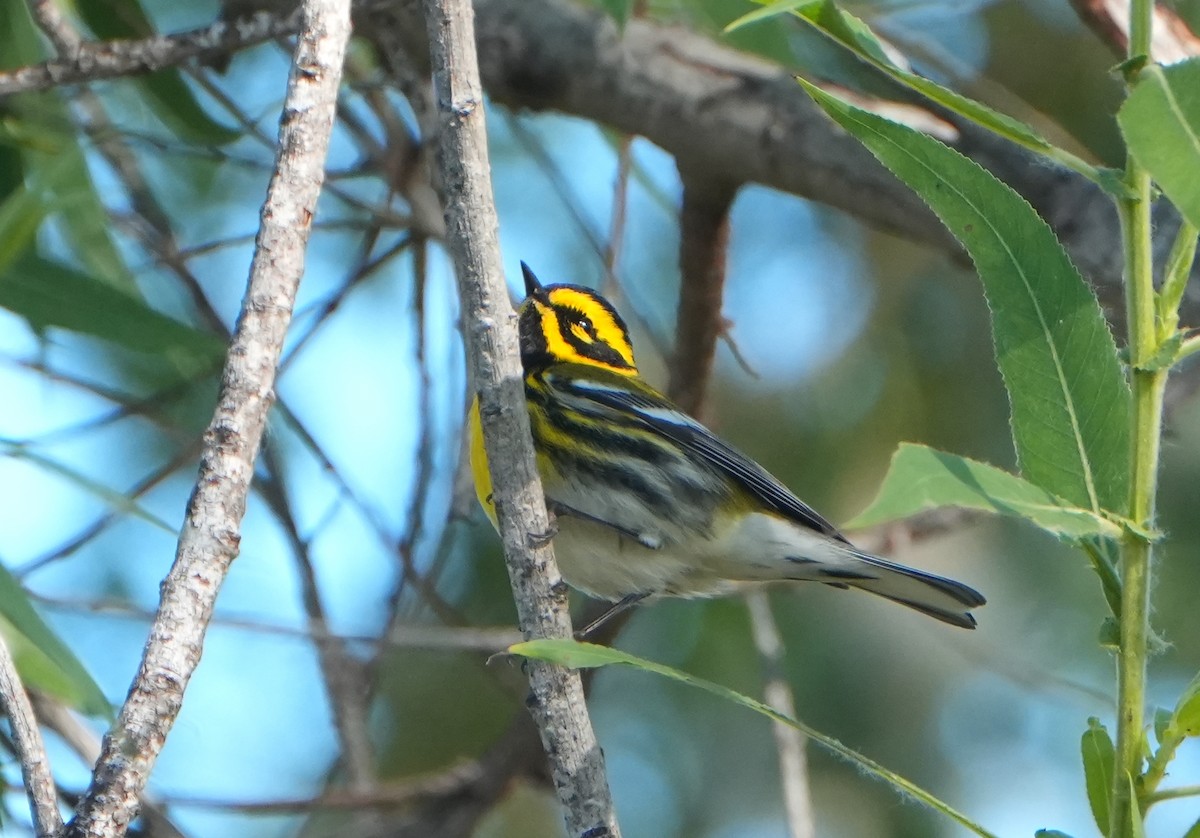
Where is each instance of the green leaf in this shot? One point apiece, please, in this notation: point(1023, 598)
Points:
point(1193, 830)
point(39, 125)
point(1162, 724)
point(1161, 124)
point(1070, 401)
point(43, 661)
point(1136, 827)
point(1098, 761)
point(618, 10)
point(1050, 833)
point(577, 655)
point(48, 293)
point(923, 478)
point(769, 10)
point(1187, 710)
point(166, 92)
point(1176, 274)
point(21, 215)
point(852, 33)
point(118, 501)
point(1109, 635)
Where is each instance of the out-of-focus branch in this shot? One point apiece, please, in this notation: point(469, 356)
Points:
point(58, 29)
point(35, 766)
point(344, 676)
point(209, 539)
point(703, 242)
point(777, 692)
point(735, 116)
point(1172, 40)
point(557, 701)
point(86, 744)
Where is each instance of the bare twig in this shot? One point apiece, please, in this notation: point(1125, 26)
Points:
point(777, 692)
point(616, 223)
point(557, 701)
point(1109, 19)
point(35, 766)
point(482, 639)
point(86, 744)
point(343, 675)
point(390, 795)
point(58, 29)
point(209, 539)
point(93, 61)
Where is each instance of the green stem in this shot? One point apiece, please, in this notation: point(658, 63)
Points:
point(1173, 794)
point(1148, 386)
point(1157, 769)
point(1188, 348)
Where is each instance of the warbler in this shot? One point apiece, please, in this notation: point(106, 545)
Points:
point(647, 501)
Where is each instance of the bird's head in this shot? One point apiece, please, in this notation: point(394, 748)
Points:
point(574, 325)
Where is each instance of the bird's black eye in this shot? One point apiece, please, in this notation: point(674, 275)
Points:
point(580, 324)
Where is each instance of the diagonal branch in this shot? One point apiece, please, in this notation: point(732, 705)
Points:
point(209, 538)
point(96, 60)
point(557, 701)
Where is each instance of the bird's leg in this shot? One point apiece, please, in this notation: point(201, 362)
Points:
point(650, 542)
point(626, 602)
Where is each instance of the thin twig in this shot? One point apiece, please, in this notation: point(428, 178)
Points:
point(482, 639)
point(1172, 40)
point(557, 701)
point(85, 742)
point(777, 692)
point(616, 222)
point(58, 29)
point(211, 530)
point(342, 673)
point(35, 766)
point(389, 795)
point(93, 61)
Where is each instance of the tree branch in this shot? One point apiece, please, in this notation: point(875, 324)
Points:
point(735, 116)
point(742, 119)
point(209, 539)
point(557, 701)
point(777, 692)
point(703, 241)
point(1109, 19)
point(93, 61)
point(35, 766)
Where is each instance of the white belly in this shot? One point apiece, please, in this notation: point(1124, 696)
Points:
point(760, 548)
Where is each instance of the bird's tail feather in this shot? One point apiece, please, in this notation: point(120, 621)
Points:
point(941, 598)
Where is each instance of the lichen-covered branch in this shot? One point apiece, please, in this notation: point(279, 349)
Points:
point(210, 534)
point(556, 701)
point(31, 750)
point(95, 60)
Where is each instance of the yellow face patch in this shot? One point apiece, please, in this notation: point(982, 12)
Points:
point(604, 327)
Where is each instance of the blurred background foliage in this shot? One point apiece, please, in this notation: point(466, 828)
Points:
point(126, 224)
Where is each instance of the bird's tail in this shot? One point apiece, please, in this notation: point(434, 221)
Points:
point(941, 598)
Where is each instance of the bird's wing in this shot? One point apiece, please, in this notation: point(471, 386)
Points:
point(583, 385)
